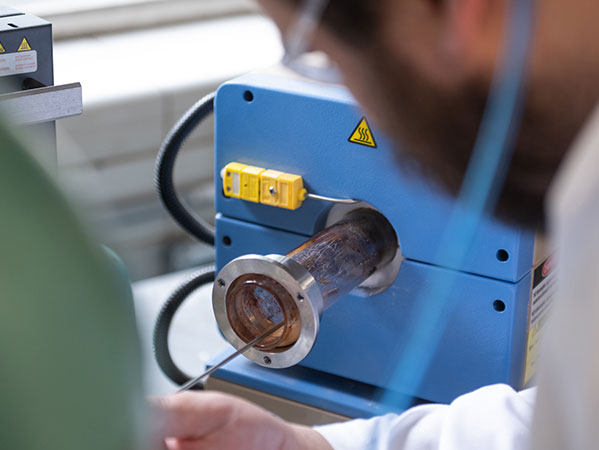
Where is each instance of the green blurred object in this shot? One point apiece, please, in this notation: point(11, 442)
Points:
point(69, 358)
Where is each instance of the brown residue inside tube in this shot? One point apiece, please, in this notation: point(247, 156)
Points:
point(255, 304)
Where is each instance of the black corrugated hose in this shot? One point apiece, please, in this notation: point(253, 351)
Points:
point(195, 226)
point(165, 318)
point(165, 165)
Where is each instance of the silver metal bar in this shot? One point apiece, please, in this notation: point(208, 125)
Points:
point(195, 381)
point(42, 105)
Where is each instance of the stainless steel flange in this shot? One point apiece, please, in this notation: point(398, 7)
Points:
point(301, 286)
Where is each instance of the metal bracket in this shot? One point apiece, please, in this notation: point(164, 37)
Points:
point(43, 105)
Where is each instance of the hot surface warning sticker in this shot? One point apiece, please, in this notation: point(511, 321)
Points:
point(363, 134)
point(24, 47)
point(543, 292)
point(18, 63)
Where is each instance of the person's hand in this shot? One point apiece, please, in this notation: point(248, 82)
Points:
point(209, 420)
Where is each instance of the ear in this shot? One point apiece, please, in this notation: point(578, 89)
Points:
point(471, 30)
point(445, 39)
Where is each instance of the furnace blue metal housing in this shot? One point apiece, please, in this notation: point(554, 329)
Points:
point(303, 128)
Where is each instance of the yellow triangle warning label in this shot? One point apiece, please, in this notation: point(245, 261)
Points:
point(24, 47)
point(363, 134)
point(2, 49)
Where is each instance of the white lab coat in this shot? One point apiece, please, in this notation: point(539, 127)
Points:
point(566, 415)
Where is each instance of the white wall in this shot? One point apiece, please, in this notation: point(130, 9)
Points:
point(136, 85)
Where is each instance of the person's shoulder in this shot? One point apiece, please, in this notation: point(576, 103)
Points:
point(575, 190)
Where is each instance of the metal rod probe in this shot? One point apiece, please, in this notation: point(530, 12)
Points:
point(191, 384)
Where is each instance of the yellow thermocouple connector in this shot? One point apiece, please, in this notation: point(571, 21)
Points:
point(283, 190)
point(242, 181)
point(269, 187)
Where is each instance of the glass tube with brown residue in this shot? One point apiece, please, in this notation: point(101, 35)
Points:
point(339, 258)
point(343, 256)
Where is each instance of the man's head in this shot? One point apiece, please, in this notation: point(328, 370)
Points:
point(422, 69)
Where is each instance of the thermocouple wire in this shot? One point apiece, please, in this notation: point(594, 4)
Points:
point(195, 381)
point(346, 201)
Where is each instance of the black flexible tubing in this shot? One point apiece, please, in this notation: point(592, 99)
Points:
point(165, 164)
point(165, 317)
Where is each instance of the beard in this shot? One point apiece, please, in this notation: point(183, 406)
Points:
point(436, 128)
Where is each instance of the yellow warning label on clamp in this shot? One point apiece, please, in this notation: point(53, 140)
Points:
point(363, 134)
point(2, 49)
point(24, 47)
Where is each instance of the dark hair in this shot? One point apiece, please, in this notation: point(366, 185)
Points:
point(353, 20)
